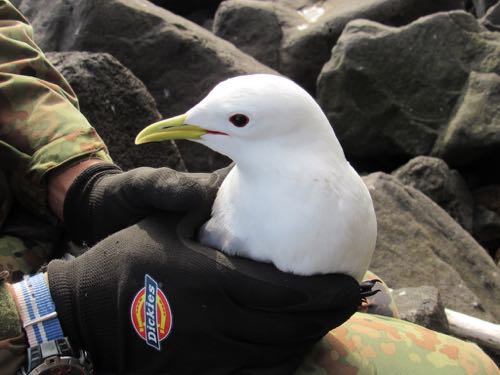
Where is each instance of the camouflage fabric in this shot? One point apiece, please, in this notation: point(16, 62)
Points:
point(372, 344)
point(21, 256)
point(12, 343)
point(41, 127)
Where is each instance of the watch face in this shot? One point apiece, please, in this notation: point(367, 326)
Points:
point(64, 370)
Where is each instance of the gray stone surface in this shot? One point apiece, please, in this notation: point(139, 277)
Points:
point(177, 60)
point(254, 26)
point(482, 6)
point(390, 92)
point(473, 131)
point(418, 244)
point(491, 19)
point(309, 29)
point(422, 306)
point(307, 46)
point(443, 185)
point(118, 105)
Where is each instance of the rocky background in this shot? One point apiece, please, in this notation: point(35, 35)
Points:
point(411, 87)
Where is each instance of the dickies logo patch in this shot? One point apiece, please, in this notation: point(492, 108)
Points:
point(150, 313)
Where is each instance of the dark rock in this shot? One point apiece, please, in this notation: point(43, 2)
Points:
point(473, 131)
point(307, 46)
point(201, 12)
point(418, 244)
point(202, 17)
point(446, 187)
point(177, 60)
point(491, 20)
point(489, 197)
point(389, 92)
point(308, 29)
point(422, 306)
point(118, 105)
point(487, 228)
point(187, 7)
point(242, 23)
point(487, 217)
point(482, 6)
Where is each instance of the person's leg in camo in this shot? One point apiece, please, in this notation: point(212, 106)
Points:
point(26, 243)
point(375, 341)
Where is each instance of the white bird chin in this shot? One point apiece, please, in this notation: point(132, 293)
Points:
point(220, 143)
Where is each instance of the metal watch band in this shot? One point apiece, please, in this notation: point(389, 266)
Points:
point(37, 354)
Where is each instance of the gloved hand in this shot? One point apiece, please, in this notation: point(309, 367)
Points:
point(215, 314)
point(103, 199)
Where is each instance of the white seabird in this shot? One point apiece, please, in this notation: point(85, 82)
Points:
point(292, 198)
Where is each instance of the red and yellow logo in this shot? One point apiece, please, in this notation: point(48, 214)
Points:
point(150, 314)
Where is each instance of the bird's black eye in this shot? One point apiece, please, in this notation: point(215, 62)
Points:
point(239, 120)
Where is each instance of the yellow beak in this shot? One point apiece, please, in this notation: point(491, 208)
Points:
point(172, 128)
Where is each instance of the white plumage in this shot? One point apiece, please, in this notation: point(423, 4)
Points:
point(292, 198)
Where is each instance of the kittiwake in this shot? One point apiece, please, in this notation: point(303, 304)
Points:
point(292, 198)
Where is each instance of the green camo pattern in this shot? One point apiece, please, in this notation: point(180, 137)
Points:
point(371, 344)
point(41, 127)
point(22, 257)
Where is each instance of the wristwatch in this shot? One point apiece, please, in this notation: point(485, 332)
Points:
point(56, 357)
point(49, 353)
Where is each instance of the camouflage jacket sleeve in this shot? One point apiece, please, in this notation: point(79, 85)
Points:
point(41, 127)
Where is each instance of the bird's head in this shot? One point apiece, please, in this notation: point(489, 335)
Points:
point(247, 116)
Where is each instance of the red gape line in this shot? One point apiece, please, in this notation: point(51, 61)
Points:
point(215, 132)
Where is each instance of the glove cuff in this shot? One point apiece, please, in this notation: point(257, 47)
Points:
point(79, 203)
point(84, 292)
point(60, 283)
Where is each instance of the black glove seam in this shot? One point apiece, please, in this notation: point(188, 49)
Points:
point(77, 212)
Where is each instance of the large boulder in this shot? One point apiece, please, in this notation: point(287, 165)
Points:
point(242, 23)
point(482, 6)
point(390, 92)
point(118, 105)
point(491, 19)
point(473, 130)
point(302, 33)
point(418, 244)
point(422, 306)
point(443, 185)
point(177, 60)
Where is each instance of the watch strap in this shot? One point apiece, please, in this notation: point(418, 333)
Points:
point(37, 310)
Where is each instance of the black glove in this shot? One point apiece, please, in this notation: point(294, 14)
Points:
point(228, 315)
point(103, 199)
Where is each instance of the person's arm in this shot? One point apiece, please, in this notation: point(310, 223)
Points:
point(60, 181)
point(42, 132)
point(46, 145)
